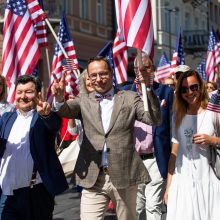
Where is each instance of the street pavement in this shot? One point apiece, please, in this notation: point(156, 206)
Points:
point(67, 206)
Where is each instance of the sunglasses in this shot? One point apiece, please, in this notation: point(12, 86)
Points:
point(193, 88)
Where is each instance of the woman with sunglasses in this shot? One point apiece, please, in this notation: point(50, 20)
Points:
point(192, 190)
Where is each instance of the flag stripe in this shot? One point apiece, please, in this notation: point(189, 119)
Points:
point(135, 24)
point(20, 52)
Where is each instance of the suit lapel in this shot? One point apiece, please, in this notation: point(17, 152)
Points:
point(118, 101)
point(33, 121)
point(8, 124)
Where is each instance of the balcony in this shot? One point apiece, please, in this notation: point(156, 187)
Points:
point(196, 40)
point(195, 3)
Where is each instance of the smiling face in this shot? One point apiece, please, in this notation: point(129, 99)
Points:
point(88, 84)
point(190, 90)
point(25, 96)
point(100, 76)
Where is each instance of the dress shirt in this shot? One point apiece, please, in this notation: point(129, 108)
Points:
point(143, 138)
point(17, 164)
point(106, 112)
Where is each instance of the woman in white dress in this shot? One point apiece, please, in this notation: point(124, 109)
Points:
point(193, 190)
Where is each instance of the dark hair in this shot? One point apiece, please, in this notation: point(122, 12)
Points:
point(29, 78)
point(99, 58)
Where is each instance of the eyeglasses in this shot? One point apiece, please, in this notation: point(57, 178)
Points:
point(193, 88)
point(102, 75)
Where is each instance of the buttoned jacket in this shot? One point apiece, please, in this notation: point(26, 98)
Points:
point(124, 164)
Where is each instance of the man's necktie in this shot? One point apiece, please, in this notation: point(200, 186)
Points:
point(100, 97)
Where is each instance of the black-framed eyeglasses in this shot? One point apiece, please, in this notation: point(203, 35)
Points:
point(193, 88)
point(102, 75)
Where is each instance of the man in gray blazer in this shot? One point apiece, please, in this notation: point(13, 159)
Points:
point(108, 166)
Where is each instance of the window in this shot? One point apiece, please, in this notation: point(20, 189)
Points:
point(187, 21)
point(100, 8)
point(67, 6)
point(167, 21)
point(84, 9)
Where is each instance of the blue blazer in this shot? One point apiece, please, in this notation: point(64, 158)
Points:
point(42, 147)
point(162, 133)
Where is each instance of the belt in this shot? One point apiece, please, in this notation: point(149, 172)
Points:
point(104, 170)
point(147, 156)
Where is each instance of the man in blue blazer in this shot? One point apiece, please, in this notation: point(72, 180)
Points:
point(154, 146)
point(30, 171)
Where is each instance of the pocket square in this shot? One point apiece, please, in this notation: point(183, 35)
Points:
point(163, 103)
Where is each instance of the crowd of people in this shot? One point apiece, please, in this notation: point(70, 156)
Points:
point(135, 159)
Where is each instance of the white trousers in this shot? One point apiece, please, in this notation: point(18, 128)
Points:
point(150, 196)
point(94, 201)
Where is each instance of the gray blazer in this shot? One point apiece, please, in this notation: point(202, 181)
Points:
point(125, 166)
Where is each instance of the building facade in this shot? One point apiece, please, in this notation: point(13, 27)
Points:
point(91, 24)
point(169, 16)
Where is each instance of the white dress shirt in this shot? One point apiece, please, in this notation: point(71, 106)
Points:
point(17, 164)
point(106, 112)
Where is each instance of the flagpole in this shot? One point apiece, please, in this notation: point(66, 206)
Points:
point(143, 86)
point(77, 74)
point(48, 60)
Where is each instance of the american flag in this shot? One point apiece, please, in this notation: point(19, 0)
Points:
point(213, 56)
point(35, 10)
point(41, 30)
point(201, 69)
point(163, 69)
point(107, 52)
point(178, 55)
point(20, 52)
point(65, 38)
point(118, 61)
point(214, 102)
point(134, 19)
point(120, 56)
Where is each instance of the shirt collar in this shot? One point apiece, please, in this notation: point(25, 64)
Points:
point(27, 114)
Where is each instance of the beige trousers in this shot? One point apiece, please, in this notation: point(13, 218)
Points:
point(94, 200)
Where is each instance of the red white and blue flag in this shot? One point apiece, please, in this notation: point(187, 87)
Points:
point(41, 30)
point(66, 40)
point(201, 69)
point(213, 57)
point(20, 52)
point(36, 12)
point(214, 103)
point(134, 19)
point(163, 69)
point(178, 55)
point(120, 57)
